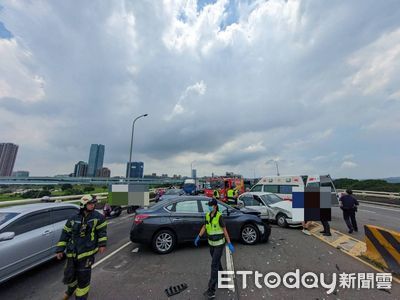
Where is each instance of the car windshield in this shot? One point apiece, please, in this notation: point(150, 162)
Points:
point(271, 199)
point(173, 192)
point(217, 184)
point(4, 217)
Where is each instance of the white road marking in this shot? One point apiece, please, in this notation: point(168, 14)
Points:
point(136, 250)
point(370, 211)
point(111, 254)
point(229, 266)
point(380, 207)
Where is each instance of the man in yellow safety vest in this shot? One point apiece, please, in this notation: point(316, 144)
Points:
point(216, 235)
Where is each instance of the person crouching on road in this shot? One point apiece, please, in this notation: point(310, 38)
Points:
point(216, 234)
point(82, 237)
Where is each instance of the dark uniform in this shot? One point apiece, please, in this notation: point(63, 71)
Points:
point(216, 240)
point(80, 239)
point(349, 207)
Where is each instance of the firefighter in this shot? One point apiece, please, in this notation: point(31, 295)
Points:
point(231, 196)
point(216, 194)
point(217, 235)
point(235, 195)
point(82, 237)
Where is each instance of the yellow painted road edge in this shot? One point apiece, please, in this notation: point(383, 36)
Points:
point(318, 226)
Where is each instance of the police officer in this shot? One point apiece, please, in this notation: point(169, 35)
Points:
point(349, 206)
point(82, 237)
point(216, 234)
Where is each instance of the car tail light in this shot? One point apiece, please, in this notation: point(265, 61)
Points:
point(139, 218)
point(287, 198)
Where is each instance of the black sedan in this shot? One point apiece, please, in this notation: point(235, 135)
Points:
point(178, 220)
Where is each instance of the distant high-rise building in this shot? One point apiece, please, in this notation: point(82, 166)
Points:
point(96, 158)
point(136, 169)
point(81, 169)
point(8, 154)
point(103, 172)
point(194, 173)
point(20, 174)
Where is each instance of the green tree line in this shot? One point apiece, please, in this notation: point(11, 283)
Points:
point(367, 185)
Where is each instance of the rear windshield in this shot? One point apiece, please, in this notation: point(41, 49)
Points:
point(4, 217)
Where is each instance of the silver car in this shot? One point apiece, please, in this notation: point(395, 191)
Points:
point(29, 233)
point(271, 207)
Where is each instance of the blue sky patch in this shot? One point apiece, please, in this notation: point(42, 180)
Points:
point(4, 32)
point(202, 3)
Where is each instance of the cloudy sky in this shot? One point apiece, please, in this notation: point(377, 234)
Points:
point(228, 85)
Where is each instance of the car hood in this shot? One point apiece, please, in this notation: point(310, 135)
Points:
point(286, 205)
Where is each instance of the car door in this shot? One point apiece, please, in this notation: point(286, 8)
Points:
point(249, 202)
point(261, 206)
point(326, 181)
point(186, 219)
point(32, 243)
point(59, 217)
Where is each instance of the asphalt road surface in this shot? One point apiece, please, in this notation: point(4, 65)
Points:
point(368, 214)
point(135, 272)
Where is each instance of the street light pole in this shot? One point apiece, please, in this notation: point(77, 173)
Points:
point(277, 169)
point(128, 175)
point(276, 164)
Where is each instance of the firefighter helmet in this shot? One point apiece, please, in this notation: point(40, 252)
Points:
point(86, 200)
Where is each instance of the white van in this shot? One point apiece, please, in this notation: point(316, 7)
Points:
point(324, 181)
point(283, 185)
point(280, 185)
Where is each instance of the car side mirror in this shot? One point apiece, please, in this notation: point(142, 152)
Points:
point(240, 204)
point(5, 236)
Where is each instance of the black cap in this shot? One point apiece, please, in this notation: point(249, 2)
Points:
point(212, 202)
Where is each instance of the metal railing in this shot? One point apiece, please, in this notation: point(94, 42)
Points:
point(72, 198)
point(374, 194)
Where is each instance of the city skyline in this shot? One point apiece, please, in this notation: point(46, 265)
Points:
point(228, 84)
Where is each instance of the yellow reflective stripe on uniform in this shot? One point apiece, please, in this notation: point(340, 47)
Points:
point(89, 253)
point(102, 239)
point(93, 228)
point(82, 291)
point(60, 244)
point(216, 243)
point(67, 229)
point(71, 254)
point(73, 284)
point(101, 225)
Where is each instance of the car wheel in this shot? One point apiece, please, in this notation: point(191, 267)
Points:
point(249, 234)
point(164, 241)
point(281, 220)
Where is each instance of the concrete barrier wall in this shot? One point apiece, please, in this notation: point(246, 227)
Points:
point(383, 247)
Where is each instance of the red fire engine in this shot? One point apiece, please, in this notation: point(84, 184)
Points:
point(222, 185)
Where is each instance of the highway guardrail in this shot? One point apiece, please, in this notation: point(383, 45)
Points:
point(72, 198)
point(375, 196)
